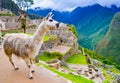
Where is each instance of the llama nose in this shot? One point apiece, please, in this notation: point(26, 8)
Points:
point(57, 25)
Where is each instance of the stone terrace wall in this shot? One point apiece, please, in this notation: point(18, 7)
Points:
point(72, 51)
point(12, 25)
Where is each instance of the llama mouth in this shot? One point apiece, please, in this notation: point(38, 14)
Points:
point(57, 25)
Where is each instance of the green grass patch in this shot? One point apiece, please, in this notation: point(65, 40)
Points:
point(15, 31)
point(68, 68)
point(46, 56)
point(46, 38)
point(6, 14)
point(12, 31)
point(106, 81)
point(107, 76)
point(27, 34)
point(77, 59)
point(114, 70)
point(73, 29)
point(73, 78)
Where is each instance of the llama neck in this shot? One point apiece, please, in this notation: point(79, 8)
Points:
point(39, 34)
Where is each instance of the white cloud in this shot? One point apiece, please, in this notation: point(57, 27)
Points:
point(68, 5)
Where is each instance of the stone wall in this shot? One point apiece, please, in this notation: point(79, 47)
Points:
point(64, 37)
point(72, 51)
point(12, 25)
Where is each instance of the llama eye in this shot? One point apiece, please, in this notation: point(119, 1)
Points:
point(50, 20)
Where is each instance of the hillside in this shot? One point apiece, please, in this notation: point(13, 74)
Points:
point(10, 5)
point(66, 60)
point(109, 45)
point(92, 22)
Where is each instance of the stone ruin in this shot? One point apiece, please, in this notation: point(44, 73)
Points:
point(63, 37)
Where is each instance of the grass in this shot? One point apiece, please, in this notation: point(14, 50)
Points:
point(114, 70)
point(107, 76)
point(73, 29)
point(8, 14)
point(16, 31)
point(71, 77)
point(106, 81)
point(77, 59)
point(46, 56)
point(12, 31)
point(46, 38)
point(68, 68)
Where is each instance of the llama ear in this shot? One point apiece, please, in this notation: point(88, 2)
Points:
point(52, 15)
point(49, 15)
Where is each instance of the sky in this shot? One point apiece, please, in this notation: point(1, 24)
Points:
point(69, 5)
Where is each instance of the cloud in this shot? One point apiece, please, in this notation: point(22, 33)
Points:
point(68, 5)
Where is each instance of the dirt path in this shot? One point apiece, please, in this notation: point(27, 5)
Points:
point(9, 75)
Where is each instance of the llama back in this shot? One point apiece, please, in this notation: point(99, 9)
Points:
point(17, 44)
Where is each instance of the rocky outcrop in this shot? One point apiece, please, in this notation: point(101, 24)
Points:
point(62, 36)
point(73, 50)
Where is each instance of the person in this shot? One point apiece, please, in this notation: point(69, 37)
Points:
point(22, 19)
point(88, 59)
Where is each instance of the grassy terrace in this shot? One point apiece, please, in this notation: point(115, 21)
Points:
point(46, 56)
point(46, 38)
point(8, 14)
point(77, 59)
point(71, 77)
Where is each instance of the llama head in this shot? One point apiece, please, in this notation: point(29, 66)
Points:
point(49, 22)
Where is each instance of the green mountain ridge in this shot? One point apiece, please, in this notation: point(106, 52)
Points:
point(10, 5)
point(109, 45)
point(93, 29)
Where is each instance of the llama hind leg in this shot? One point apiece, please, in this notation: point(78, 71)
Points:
point(10, 59)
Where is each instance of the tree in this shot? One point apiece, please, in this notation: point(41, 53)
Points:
point(24, 4)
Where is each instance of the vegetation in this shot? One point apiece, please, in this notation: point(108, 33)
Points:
point(109, 45)
point(7, 14)
point(46, 56)
point(106, 60)
point(107, 76)
point(114, 70)
point(106, 81)
point(46, 38)
point(10, 5)
point(24, 4)
point(12, 31)
point(77, 59)
point(34, 16)
point(72, 28)
point(71, 77)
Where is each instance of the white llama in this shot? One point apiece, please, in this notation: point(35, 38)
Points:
point(27, 47)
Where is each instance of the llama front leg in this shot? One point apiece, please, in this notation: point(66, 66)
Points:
point(30, 74)
point(31, 69)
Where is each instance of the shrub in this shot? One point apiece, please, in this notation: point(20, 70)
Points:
point(73, 29)
point(106, 61)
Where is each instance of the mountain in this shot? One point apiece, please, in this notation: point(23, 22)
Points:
point(110, 44)
point(92, 22)
point(10, 5)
